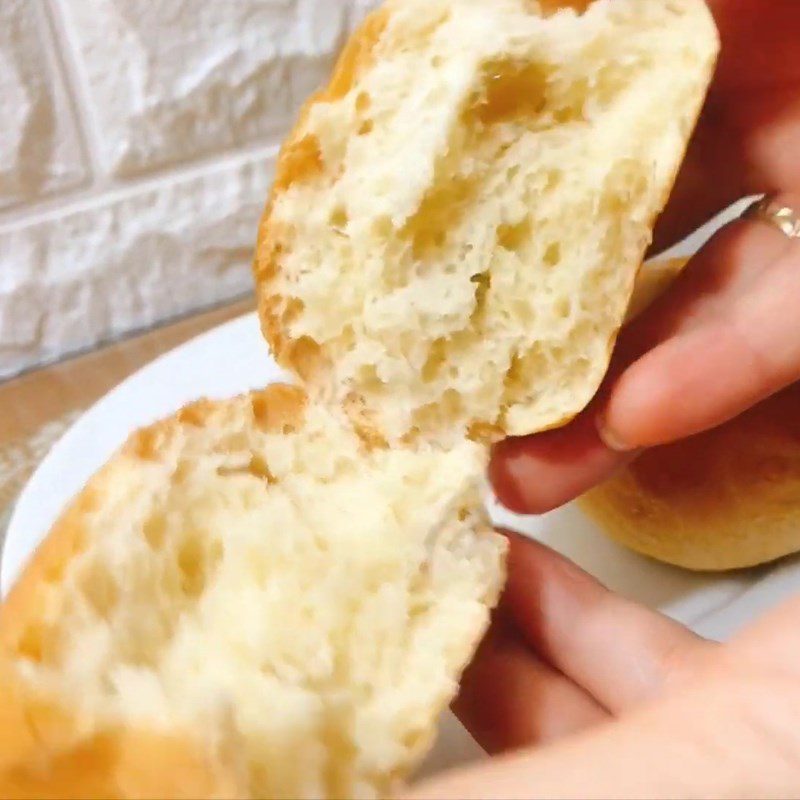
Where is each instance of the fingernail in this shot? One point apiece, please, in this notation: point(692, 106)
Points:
point(610, 438)
point(505, 483)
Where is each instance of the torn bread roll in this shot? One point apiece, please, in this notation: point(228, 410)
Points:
point(248, 601)
point(255, 599)
point(458, 218)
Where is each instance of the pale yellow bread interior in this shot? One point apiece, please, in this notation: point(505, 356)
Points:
point(247, 601)
point(458, 219)
point(255, 598)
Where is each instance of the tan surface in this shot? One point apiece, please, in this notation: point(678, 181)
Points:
point(32, 400)
point(725, 499)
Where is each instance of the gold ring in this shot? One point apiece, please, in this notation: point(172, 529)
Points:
point(769, 210)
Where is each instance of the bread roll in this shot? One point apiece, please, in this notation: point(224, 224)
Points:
point(247, 601)
point(458, 218)
point(256, 598)
point(722, 500)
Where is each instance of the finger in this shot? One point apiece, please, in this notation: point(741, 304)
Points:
point(728, 267)
point(618, 651)
point(716, 364)
point(714, 739)
point(728, 731)
point(746, 139)
point(754, 95)
point(767, 125)
point(509, 698)
point(536, 474)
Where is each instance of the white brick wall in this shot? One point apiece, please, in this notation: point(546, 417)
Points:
point(136, 150)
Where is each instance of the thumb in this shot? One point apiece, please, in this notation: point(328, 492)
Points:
point(713, 739)
point(728, 731)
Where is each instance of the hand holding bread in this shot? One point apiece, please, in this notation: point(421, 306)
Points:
point(720, 489)
point(671, 384)
point(457, 221)
point(275, 595)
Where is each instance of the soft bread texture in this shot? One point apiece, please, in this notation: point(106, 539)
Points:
point(726, 499)
point(722, 500)
point(458, 219)
point(256, 598)
point(248, 601)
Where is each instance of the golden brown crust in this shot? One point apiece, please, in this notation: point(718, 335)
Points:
point(21, 614)
point(551, 6)
point(45, 751)
point(726, 499)
point(118, 764)
point(299, 160)
point(277, 409)
point(357, 56)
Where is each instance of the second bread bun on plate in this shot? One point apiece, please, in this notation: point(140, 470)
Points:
point(725, 499)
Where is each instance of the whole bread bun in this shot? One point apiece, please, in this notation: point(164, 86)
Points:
point(722, 500)
point(725, 499)
point(247, 601)
point(458, 218)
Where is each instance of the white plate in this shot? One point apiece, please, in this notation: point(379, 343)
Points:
point(232, 359)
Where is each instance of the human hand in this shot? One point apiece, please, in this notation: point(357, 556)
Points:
point(618, 701)
point(622, 702)
point(728, 334)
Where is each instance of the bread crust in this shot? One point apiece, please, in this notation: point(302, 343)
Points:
point(722, 500)
point(53, 758)
point(299, 159)
point(45, 748)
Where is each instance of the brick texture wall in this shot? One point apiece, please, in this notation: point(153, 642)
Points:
point(136, 150)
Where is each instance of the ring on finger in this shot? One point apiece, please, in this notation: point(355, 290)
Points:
point(773, 212)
